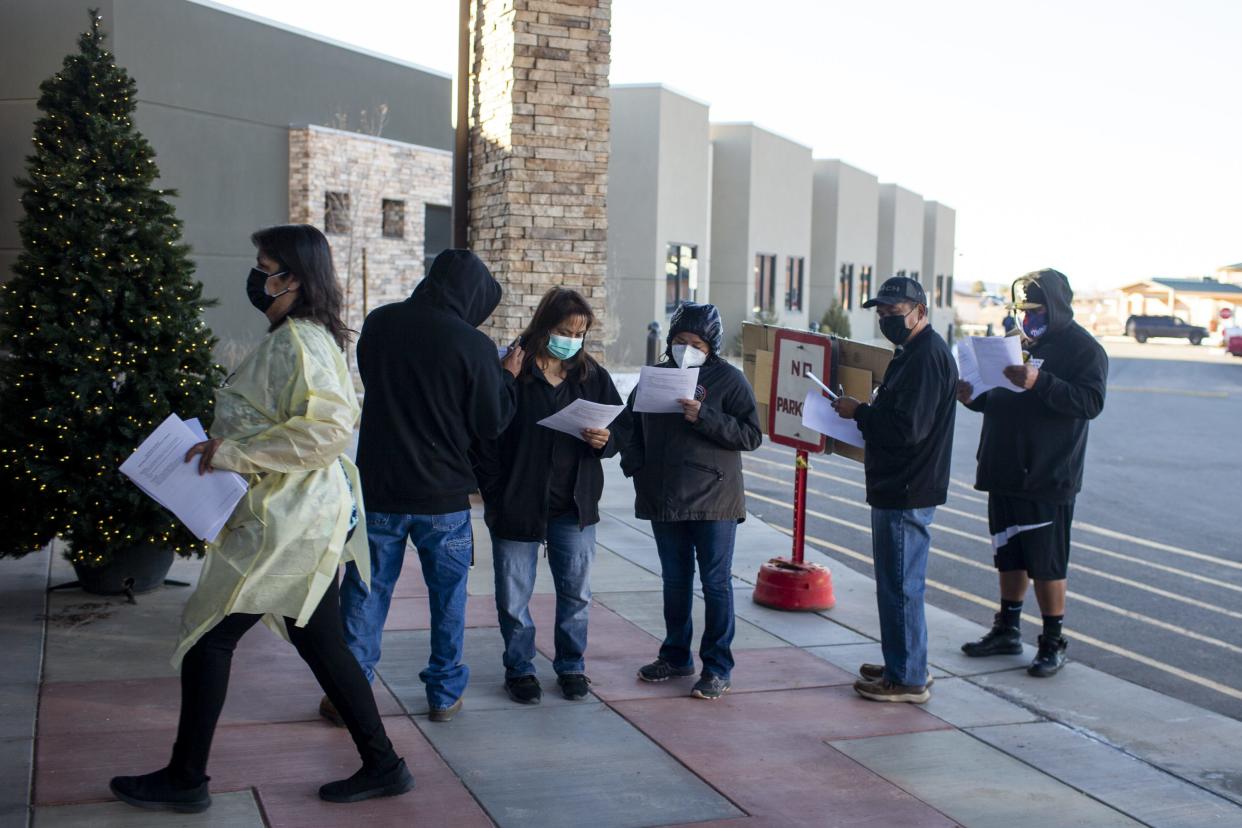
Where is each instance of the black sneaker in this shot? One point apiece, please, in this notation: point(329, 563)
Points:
point(157, 792)
point(710, 687)
point(661, 670)
point(367, 784)
point(524, 689)
point(1050, 658)
point(574, 686)
point(1000, 640)
point(875, 672)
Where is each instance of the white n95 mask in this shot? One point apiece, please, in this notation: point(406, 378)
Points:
point(688, 357)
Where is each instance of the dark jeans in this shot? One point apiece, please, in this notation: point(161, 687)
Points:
point(321, 644)
point(679, 544)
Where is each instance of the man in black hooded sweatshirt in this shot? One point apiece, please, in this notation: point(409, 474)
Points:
point(1031, 455)
point(434, 387)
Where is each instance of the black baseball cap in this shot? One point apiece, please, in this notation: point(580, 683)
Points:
point(898, 289)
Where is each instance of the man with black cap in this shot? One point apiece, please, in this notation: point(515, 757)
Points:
point(908, 432)
point(1031, 456)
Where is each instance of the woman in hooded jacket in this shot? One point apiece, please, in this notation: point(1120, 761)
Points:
point(687, 471)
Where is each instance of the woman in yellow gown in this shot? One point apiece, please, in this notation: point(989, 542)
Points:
point(284, 420)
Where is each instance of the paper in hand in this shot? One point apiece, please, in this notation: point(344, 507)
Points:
point(659, 389)
point(202, 502)
point(981, 361)
point(818, 413)
point(582, 414)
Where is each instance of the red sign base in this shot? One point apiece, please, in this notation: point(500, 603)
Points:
point(792, 585)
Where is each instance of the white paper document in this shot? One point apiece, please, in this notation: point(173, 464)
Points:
point(202, 502)
point(659, 389)
point(580, 414)
point(982, 360)
point(818, 413)
point(831, 394)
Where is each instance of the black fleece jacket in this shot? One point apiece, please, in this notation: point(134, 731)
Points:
point(434, 387)
point(693, 471)
point(1034, 444)
point(514, 471)
point(908, 430)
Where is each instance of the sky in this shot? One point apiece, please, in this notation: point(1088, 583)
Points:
point(1099, 137)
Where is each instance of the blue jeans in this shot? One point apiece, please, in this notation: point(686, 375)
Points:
point(899, 545)
point(570, 553)
point(445, 545)
point(679, 544)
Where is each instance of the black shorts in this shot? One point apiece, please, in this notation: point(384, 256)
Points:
point(1030, 535)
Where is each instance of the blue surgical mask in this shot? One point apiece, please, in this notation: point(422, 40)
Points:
point(564, 347)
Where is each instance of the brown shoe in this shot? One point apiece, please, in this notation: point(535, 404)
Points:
point(885, 691)
point(875, 672)
point(445, 714)
point(328, 711)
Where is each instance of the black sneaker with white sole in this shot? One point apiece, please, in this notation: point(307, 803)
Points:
point(710, 687)
point(661, 670)
point(524, 689)
point(574, 686)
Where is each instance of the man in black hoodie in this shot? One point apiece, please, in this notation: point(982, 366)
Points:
point(908, 432)
point(434, 386)
point(1031, 455)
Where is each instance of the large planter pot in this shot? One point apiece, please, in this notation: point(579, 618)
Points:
point(135, 570)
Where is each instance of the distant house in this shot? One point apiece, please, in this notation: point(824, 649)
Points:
point(1197, 301)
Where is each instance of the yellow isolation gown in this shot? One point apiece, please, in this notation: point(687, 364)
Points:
point(287, 418)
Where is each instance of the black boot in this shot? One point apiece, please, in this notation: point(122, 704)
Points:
point(367, 784)
point(1050, 658)
point(158, 792)
point(1000, 640)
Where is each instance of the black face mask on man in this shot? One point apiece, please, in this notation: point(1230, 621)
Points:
point(894, 328)
point(256, 288)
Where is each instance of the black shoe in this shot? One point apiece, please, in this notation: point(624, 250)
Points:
point(1050, 658)
point(524, 689)
point(574, 686)
point(156, 792)
point(367, 784)
point(710, 686)
point(1000, 640)
point(661, 670)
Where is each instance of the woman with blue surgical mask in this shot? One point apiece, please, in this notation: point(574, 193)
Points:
point(542, 487)
point(687, 471)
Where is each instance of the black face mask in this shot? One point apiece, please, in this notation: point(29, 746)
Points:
point(894, 328)
point(256, 288)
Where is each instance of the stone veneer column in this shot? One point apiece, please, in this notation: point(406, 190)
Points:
point(539, 152)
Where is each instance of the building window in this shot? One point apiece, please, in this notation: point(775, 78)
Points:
point(940, 290)
point(948, 290)
point(394, 219)
point(845, 287)
point(681, 269)
point(864, 283)
point(795, 266)
point(914, 274)
point(336, 213)
point(437, 232)
point(765, 283)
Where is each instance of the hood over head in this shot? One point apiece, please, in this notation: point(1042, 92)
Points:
point(701, 320)
point(460, 283)
point(1047, 288)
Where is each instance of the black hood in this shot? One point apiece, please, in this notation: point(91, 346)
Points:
point(1052, 289)
point(460, 283)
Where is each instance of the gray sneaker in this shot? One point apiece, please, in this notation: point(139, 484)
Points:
point(710, 687)
point(445, 714)
point(875, 672)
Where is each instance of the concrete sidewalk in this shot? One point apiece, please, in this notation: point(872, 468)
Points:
point(87, 693)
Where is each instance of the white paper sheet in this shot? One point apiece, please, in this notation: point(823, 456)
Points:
point(818, 413)
point(831, 394)
point(981, 361)
point(202, 502)
point(659, 389)
point(580, 414)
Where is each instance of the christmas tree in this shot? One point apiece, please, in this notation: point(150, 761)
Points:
point(100, 327)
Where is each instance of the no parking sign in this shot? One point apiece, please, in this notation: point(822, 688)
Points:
point(797, 353)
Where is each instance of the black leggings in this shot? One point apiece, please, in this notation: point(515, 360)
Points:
point(321, 644)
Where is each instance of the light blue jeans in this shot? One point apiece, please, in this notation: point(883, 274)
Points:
point(900, 542)
point(570, 553)
point(445, 545)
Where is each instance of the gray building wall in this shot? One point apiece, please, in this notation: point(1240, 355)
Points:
point(844, 232)
point(217, 92)
point(939, 234)
point(658, 193)
point(900, 243)
point(761, 204)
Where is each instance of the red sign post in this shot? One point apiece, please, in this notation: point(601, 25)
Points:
point(793, 584)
